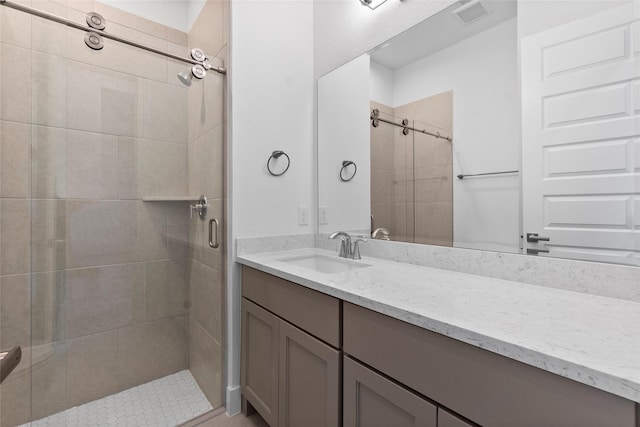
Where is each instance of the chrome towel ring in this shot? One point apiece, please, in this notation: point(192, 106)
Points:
point(275, 155)
point(345, 165)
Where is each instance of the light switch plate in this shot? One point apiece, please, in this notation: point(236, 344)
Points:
point(303, 215)
point(323, 215)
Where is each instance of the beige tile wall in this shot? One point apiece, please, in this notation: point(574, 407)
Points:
point(102, 290)
point(383, 165)
point(412, 175)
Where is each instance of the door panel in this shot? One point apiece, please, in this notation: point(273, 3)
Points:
point(309, 380)
point(581, 160)
point(260, 335)
point(445, 419)
point(370, 400)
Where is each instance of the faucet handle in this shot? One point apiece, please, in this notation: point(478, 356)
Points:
point(355, 251)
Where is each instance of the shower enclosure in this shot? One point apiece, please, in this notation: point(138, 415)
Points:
point(109, 282)
point(412, 170)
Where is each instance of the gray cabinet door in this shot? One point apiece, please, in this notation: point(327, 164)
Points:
point(445, 419)
point(259, 368)
point(370, 400)
point(309, 380)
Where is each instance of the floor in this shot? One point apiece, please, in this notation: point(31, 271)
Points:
point(223, 420)
point(168, 401)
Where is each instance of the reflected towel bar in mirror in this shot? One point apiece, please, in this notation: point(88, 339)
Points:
point(463, 176)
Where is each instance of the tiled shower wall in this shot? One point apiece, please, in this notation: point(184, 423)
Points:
point(102, 290)
point(411, 182)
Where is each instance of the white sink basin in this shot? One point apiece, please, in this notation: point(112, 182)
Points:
point(324, 264)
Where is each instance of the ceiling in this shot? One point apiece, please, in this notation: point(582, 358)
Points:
point(438, 32)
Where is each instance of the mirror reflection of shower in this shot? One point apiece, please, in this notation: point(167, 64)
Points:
point(412, 170)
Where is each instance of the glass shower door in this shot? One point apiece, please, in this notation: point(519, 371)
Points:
point(115, 297)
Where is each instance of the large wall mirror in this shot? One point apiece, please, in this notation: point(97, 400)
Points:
point(501, 125)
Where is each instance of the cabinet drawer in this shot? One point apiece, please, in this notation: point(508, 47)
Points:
point(312, 311)
point(487, 388)
point(445, 419)
point(371, 400)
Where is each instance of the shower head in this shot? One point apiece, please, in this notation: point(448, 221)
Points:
point(185, 77)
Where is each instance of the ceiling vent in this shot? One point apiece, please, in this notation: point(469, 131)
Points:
point(472, 11)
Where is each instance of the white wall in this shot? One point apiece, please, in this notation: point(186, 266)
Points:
point(344, 29)
point(172, 13)
point(194, 7)
point(344, 134)
point(272, 108)
point(482, 72)
point(381, 84)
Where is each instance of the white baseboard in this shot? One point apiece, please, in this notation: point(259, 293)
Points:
point(234, 400)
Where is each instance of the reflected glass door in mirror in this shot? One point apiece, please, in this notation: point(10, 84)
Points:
point(411, 171)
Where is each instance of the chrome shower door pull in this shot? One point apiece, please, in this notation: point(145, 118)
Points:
point(214, 243)
point(8, 361)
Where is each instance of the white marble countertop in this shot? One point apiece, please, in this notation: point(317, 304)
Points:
point(591, 339)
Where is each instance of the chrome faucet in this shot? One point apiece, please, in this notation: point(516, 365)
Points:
point(347, 249)
point(345, 243)
point(380, 233)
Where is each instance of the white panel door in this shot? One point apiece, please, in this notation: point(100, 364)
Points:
point(581, 137)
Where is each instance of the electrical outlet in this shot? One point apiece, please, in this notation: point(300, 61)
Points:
point(303, 215)
point(323, 215)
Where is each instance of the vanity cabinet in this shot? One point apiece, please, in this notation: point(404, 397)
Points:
point(309, 359)
point(371, 400)
point(484, 387)
point(260, 360)
point(290, 372)
point(446, 419)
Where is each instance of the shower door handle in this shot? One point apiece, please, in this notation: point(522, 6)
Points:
point(214, 243)
point(8, 361)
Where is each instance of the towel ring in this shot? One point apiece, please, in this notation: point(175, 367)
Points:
point(276, 154)
point(346, 164)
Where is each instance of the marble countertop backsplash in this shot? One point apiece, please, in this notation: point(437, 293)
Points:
point(608, 280)
point(589, 338)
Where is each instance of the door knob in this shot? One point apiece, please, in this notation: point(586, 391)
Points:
point(531, 251)
point(534, 238)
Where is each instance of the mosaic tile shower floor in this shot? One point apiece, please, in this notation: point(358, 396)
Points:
point(165, 402)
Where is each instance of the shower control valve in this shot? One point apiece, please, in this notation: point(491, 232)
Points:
point(200, 207)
